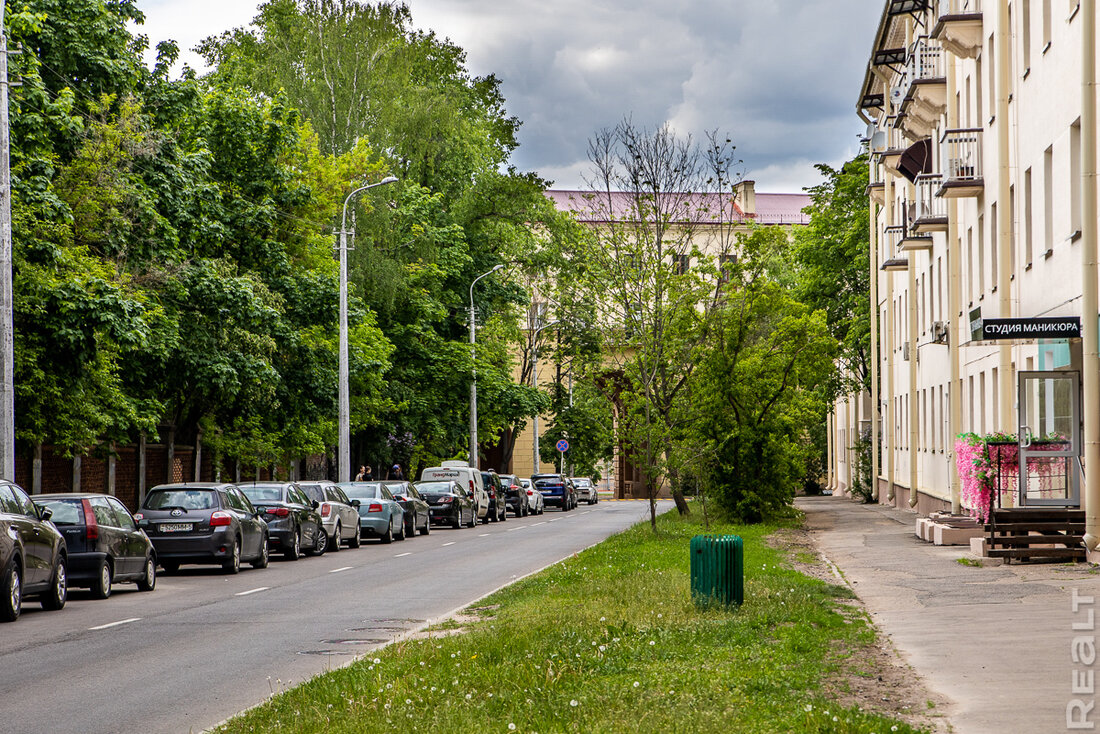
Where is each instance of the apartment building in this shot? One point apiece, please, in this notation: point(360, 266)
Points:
point(981, 121)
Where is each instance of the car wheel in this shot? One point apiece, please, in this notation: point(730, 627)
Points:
point(493, 516)
point(265, 554)
point(11, 590)
point(294, 552)
point(55, 598)
point(473, 518)
point(320, 542)
point(388, 537)
point(334, 541)
point(504, 513)
point(356, 540)
point(232, 565)
point(148, 580)
point(401, 535)
point(101, 585)
point(427, 526)
point(458, 519)
point(170, 567)
point(410, 527)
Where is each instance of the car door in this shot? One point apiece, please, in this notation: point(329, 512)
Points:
point(349, 517)
point(308, 517)
point(251, 529)
point(134, 542)
point(111, 539)
point(393, 509)
point(36, 544)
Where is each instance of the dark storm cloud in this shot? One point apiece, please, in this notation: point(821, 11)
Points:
point(780, 76)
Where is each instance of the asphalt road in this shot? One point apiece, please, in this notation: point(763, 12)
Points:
point(203, 646)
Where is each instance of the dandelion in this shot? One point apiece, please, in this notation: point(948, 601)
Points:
point(389, 685)
point(511, 727)
point(659, 616)
point(836, 718)
point(469, 696)
point(408, 700)
point(603, 647)
point(603, 619)
point(574, 703)
point(376, 661)
point(894, 727)
point(636, 684)
point(652, 642)
point(808, 707)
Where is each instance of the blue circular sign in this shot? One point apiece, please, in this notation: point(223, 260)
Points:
point(563, 445)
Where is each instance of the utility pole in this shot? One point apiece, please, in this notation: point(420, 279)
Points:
point(7, 327)
point(473, 358)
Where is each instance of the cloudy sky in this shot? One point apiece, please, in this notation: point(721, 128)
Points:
point(781, 77)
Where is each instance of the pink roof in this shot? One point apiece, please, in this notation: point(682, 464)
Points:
point(770, 208)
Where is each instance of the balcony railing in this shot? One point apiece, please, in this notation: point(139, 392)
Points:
point(891, 240)
point(925, 61)
point(960, 7)
point(929, 209)
point(961, 153)
point(959, 27)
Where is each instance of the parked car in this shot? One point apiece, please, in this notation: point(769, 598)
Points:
point(203, 522)
point(339, 515)
point(556, 490)
point(534, 499)
point(294, 523)
point(32, 555)
point(498, 510)
point(586, 490)
point(380, 516)
point(465, 475)
point(103, 541)
point(449, 503)
point(514, 496)
point(418, 515)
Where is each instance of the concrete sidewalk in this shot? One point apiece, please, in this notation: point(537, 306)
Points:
point(1004, 644)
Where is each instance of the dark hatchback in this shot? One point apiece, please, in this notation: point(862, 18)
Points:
point(32, 555)
point(449, 503)
point(203, 522)
point(556, 490)
point(292, 518)
point(514, 495)
point(418, 515)
point(498, 510)
point(105, 544)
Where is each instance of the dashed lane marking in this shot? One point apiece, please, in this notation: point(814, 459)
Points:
point(400, 555)
point(342, 568)
point(252, 591)
point(115, 624)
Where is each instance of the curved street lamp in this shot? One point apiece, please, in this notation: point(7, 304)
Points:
point(473, 361)
point(535, 384)
point(343, 468)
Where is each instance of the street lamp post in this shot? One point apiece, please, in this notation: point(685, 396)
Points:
point(343, 468)
point(535, 384)
point(473, 363)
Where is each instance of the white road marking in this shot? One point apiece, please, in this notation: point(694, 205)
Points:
point(540, 523)
point(252, 591)
point(447, 544)
point(399, 555)
point(483, 535)
point(554, 520)
point(115, 624)
point(342, 568)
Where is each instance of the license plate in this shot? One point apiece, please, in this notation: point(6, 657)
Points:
point(182, 527)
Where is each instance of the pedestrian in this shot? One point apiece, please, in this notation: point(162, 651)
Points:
point(396, 472)
point(364, 474)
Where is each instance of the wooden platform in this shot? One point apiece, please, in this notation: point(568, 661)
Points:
point(1027, 533)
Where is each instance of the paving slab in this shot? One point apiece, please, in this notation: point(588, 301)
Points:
point(1012, 647)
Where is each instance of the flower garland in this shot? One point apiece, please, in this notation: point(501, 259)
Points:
point(992, 463)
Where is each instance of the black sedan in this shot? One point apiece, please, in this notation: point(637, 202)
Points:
point(418, 515)
point(449, 503)
point(203, 522)
point(292, 518)
point(105, 544)
point(32, 555)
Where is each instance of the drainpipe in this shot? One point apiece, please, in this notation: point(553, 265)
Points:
point(873, 259)
point(891, 418)
point(1090, 347)
point(914, 427)
point(954, 257)
point(829, 448)
point(1004, 212)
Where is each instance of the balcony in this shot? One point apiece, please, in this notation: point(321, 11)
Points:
point(923, 89)
point(891, 240)
point(876, 187)
point(929, 210)
point(961, 155)
point(894, 146)
point(911, 239)
point(959, 27)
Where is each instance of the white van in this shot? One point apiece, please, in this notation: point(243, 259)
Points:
point(467, 478)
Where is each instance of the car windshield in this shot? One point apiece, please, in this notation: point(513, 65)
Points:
point(547, 480)
point(65, 512)
point(314, 492)
point(257, 494)
point(362, 490)
point(185, 499)
point(434, 487)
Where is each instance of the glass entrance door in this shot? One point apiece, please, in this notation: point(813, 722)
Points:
point(1050, 439)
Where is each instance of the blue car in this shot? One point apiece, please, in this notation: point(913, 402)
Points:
point(380, 516)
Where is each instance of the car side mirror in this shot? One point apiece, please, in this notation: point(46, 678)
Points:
point(45, 513)
point(355, 503)
point(314, 504)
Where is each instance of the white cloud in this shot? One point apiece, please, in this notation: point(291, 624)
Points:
point(781, 76)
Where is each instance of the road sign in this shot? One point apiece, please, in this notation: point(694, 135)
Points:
point(563, 445)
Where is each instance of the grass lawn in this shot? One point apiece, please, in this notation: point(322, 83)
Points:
point(610, 641)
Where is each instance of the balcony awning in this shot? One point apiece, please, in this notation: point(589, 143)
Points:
point(916, 159)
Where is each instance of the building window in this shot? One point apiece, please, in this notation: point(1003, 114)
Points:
point(1046, 25)
point(1028, 238)
point(726, 264)
point(994, 246)
point(1048, 199)
point(1075, 179)
point(1025, 20)
point(681, 264)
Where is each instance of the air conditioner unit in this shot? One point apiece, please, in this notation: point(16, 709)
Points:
point(939, 332)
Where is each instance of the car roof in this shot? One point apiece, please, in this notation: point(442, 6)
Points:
point(69, 496)
point(193, 485)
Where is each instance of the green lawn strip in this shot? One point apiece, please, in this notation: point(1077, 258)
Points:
point(609, 641)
